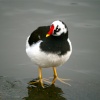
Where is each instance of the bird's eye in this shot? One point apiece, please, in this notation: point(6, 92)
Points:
point(57, 29)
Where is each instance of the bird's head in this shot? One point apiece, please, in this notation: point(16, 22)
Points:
point(57, 28)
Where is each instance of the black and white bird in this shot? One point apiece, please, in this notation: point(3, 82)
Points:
point(49, 46)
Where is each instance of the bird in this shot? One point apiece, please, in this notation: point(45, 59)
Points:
point(49, 46)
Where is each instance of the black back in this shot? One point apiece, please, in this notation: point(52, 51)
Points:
point(38, 34)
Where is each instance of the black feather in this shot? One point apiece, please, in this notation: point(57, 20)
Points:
point(38, 34)
point(56, 44)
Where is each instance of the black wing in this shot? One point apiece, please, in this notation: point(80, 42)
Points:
point(38, 34)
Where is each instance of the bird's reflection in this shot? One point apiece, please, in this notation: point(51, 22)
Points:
point(48, 93)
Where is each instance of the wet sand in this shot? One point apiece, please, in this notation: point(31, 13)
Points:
point(19, 18)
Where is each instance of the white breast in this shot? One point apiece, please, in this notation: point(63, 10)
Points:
point(43, 59)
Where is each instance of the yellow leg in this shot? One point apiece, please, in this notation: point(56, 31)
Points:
point(57, 78)
point(55, 75)
point(40, 76)
point(40, 79)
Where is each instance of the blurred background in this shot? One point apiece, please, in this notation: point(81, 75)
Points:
point(18, 18)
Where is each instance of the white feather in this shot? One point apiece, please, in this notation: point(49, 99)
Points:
point(61, 26)
point(43, 59)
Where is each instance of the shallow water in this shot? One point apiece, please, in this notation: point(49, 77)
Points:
point(18, 18)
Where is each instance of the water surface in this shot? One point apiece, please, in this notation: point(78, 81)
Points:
point(18, 18)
